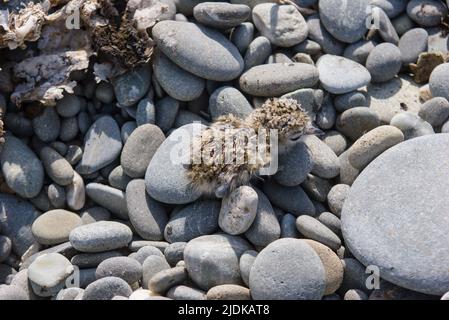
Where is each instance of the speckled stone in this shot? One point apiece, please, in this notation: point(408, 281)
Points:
point(395, 226)
point(106, 288)
point(336, 198)
point(121, 267)
point(199, 50)
point(301, 276)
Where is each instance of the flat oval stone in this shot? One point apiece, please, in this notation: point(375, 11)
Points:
point(214, 259)
point(242, 36)
point(166, 180)
point(194, 220)
point(22, 170)
point(300, 276)
point(372, 144)
point(102, 145)
point(110, 198)
point(238, 210)
point(438, 81)
point(412, 44)
point(275, 79)
point(382, 230)
point(283, 25)
point(340, 75)
point(311, 228)
point(56, 166)
point(353, 123)
point(147, 216)
point(165, 279)
point(185, 293)
point(221, 15)
point(228, 100)
point(325, 161)
point(106, 288)
point(384, 62)
point(257, 52)
point(139, 149)
point(69, 105)
point(178, 83)
point(100, 236)
point(345, 21)
point(199, 50)
point(228, 292)
point(54, 226)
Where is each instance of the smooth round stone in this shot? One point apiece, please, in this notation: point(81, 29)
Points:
point(336, 141)
point(22, 170)
point(316, 187)
point(288, 226)
point(17, 227)
point(221, 15)
point(132, 86)
point(185, 293)
point(332, 266)
point(166, 111)
point(242, 36)
point(294, 165)
point(126, 130)
point(308, 47)
point(311, 228)
point(121, 267)
point(48, 273)
point(257, 53)
point(327, 115)
point(69, 105)
point(178, 83)
point(175, 252)
point(319, 34)
point(353, 123)
point(411, 125)
point(106, 288)
point(100, 236)
point(350, 100)
point(289, 199)
point(47, 125)
point(166, 179)
point(92, 260)
point(355, 294)
point(56, 166)
point(165, 279)
point(283, 25)
point(412, 44)
point(278, 78)
point(139, 244)
point(8, 292)
point(56, 195)
point(238, 210)
point(110, 198)
point(76, 193)
point(245, 263)
point(194, 220)
point(325, 161)
point(393, 97)
point(41, 201)
point(391, 7)
point(331, 221)
point(228, 100)
point(118, 179)
point(438, 81)
point(151, 266)
point(146, 112)
point(435, 111)
point(104, 92)
point(139, 149)
point(147, 216)
point(69, 129)
point(265, 227)
point(384, 62)
point(228, 292)
point(392, 225)
point(336, 198)
point(143, 253)
point(102, 145)
point(69, 293)
point(347, 21)
point(214, 259)
point(340, 75)
point(53, 227)
point(18, 125)
point(199, 50)
point(426, 13)
point(372, 144)
point(5, 247)
point(301, 276)
point(359, 51)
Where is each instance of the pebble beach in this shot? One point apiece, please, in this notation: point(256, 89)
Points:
point(94, 207)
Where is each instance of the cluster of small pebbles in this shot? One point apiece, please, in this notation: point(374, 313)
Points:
point(92, 207)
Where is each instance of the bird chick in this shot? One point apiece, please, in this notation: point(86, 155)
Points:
point(231, 150)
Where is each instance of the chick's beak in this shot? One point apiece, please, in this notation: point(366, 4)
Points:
point(314, 130)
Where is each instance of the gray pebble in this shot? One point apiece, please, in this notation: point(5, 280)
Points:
point(353, 123)
point(350, 100)
point(69, 105)
point(336, 198)
point(143, 253)
point(127, 129)
point(411, 125)
point(412, 44)
point(288, 226)
point(185, 293)
point(327, 115)
point(242, 36)
point(166, 111)
point(106, 288)
point(228, 100)
point(319, 34)
point(110, 198)
point(257, 52)
point(84, 122)
point(221, 15)
point(331, 221)
point(132, 86)
point(104, 92)
point(427, 13)
point(311, 228)
point(92, 260)
point(435, 111)
point(386, 29)
point(47, 125)
point(56, 166)
point(151, 266)
point(74, 154)
point(162, 281)
point(438, 80)
point(325, 161)
point(56, 196)
point(336, 141)
point(146, 112)
point(121, 267)
point(175, 252)
point(118, 179)
point(359, 51)
point(316, 187)
point(384, 62)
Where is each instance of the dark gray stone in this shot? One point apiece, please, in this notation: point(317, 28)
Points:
point(47, 125)
point(121, 267)
point(384, 62)
point(106, 288)
point(132, 86)
point(318, 33)
point(228, 100)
